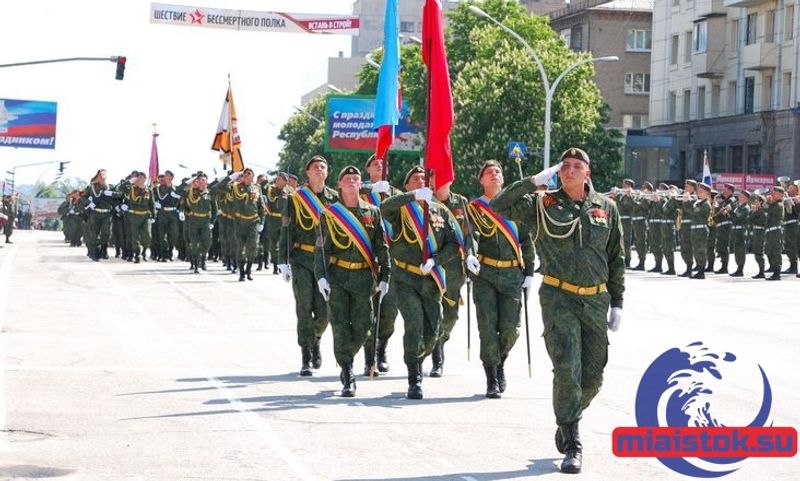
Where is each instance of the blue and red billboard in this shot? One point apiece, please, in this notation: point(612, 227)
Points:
point(27, 123)
point(348, 127)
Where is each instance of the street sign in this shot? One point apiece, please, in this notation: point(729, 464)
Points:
point(516, 150)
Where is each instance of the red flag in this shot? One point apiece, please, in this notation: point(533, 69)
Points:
point(438, 155)
point(386, 132)
point(153, 171)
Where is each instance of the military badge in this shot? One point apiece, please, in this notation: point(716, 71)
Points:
point(599, 216)
point(548, 200)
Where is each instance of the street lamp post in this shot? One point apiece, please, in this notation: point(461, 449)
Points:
point(549, 88)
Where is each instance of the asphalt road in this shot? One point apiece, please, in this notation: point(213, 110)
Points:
point(115, 371)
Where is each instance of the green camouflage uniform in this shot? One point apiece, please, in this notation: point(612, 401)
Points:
point(773, 244)
point(73, 223)
point(592, 256)
point(497, 287)
point(167, 223)
point(139, 216)
point(711, 239)
point(10, 211)
point(225, 223)
point(299, 233)
point(456, 274)
point(276, 204)
point(641, 211)
point(351, 280)
point(669, 210)
point(740, 217)
point(248, 211)
point(625, 205)
point(699, 213)
point(99, 224)
point(656, 219)
point(200, 210)
point(724, 224)
point(790, 235)
point(685, 232)
point(758, 224)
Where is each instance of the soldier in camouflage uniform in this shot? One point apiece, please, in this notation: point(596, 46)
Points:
point(167, 200)
point(641, 212)
point(277, 195)
point(739, 218)
point(71, 211)
point(100, 199)
point(140, 214)
point(699, 213)
point(724, 223)
point(685, 231)
point(374, 192)
point(669, 213)
point(351, 263)
point(199, 211)
point(456, 275)
point(773, 244)
point(655, 219)
point(791, 230)
point(248, 211)
point(579, 235)
point(758, 224)
point(9, 209)
point(503, 266)
point(711, 240)
point(419, 251)
point(226, 224)
point(299, 229)
point(625, 204)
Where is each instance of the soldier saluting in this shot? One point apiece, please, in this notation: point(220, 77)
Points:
point(579, 237)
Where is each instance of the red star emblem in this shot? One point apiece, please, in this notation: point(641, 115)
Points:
point(197, 16)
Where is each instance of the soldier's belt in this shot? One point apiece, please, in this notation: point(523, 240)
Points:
point(737, 227)
point(353, 266)
point(274, 214)
point(724, 223)
point(168, 209)
point(699, 227)
point(758, 227)
point(198, 214)
point(497, 263)
point(246, 217)
point(686, 221)
point(793, 221)
point(139, 212)
point(408, 267)
point(226, 216)
point(102, 211)
point(637, 218)
point(624, 217)
point(774, 228)
point(304, 247)
point(578, 290)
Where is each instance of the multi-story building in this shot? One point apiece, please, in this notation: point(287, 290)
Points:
point(723, 84)
point(621, 28)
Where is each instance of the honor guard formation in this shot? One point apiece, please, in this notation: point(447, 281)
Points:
point(358, 254)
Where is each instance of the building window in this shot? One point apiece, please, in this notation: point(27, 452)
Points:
point(676, 3)
point(735, 35)
point(766, 100)
point(635, 121)
point(786, 97)
point(769, 30)
point(749, 94)
point(407, 27)
point(687, 48)
point(673, 57)
point(673, 105)
point(788, 28)
point(566, 35)
point(731, 106)
point(715, 93)
point(737, 159)
point(701, 103)
point(638, 41)
point(754, 165)
point(687, 104)
point(700, 37)
point(751, 35)
point(637, 83)
point(716, 159)
point(576, 40)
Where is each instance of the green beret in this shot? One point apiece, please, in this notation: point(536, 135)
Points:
point(316, 158)
point(414, 170)
point(487, 164)
point(575, 153)
point(349, 170)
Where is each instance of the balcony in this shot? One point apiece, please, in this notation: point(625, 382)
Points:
point(709, 8)
point(760, 56)
point(745, 3)
point(708, 65)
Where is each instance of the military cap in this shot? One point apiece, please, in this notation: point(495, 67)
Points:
point(486, 165)
point(745, 193)
point(778, 188)
point(691, 182)
point(282, 175)
point(316, 158)
point(369, 161)
point(663, 186)
point(729, 186)
point(349, 170)
point(293, 177)
point(160, 176)
point(98, 173)
point(200, 173)
point(248, 169)
point(647, 185)
point(414, 170)
point(629, 182)
point(704, 186)
point(575, 153)
point(169, 173)
point(714, 193)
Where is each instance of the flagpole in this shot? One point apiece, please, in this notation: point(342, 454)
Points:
point(150, 174)
point(230, 120)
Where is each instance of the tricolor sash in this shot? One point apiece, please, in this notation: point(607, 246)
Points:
point(507, 227)
point(375, 199)
point(427, 242)
point(346, 221)
point(459, 236)
point(310, 203)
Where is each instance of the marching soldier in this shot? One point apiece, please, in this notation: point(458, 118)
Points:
point(791, 229)
point(100, 202)
point(712, 231)
point(740, 216)
point(687, 254)
point(263, 237)
point(639, 223)
point(351, 262)
point(248, 211)
point(277, 195)
point(374, 192)
point(167, 200)
point(724, 221)
point(669, 211)
point(225, 222)
point(625, 204)
point(199, 211)
point(503, 267)
point(656, 215)
point(10, 210)
point(419, 253)
point(299, 229)
point(140, 211)
point(758, 222)
point(580, 238)
point(454, 272)
point(699, 214)
point(773, 243)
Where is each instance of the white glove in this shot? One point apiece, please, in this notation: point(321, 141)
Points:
point(614, 318)
point(380, 187)
point(544, 176)
point(157, 205)
point(285, 270)
point(151, 221)
point(383, 288)
point(427, 266)
point(235, 175)
point(181, 216)
point(133, 178)
point(324, 288)
point(90, 205)
point(527, 283)
point(108, 193)
point(210, 226)
point(259, 228)
point(91, 200)
point(423, 193)
point(473, 264)
point(174, 195)
point(124, 207)
point(3, 216)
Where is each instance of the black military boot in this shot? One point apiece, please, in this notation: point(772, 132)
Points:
point(95, 254)
point(104, 251)
point(249, 271)
point(260, 263)
point(369, 359)
point(670, 269)
point(739, 271)
point(144, 254)
point(501, 374)
point(640, 266)
point(275, 268)
point(234, 266)
point(723, 269)
point(348, 380)
point(305, 370)
point(792, 268)
point(203, 261)
point(316, 356)
point(117, 252)
point(573, 449)
point(710, 266)
point(226, 263)
point(195, 264)
point(242, 273)
point(701, 274)
point(492, 389)
point(776, 274)
point(657, 267)
point(437, 356)
point(136, 259)
point(383, 364)
point(760, 274)
point(414, 380)
point(688, 272)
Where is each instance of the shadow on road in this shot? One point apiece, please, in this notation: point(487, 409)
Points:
point(537, 467)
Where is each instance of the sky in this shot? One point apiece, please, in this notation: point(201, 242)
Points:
point(175, 77)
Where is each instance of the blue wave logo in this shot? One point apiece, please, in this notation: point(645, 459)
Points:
point(677, 390)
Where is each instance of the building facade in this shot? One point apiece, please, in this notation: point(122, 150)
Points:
point(723, 84)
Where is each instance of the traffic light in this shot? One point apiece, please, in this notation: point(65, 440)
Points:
point(121, 67)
